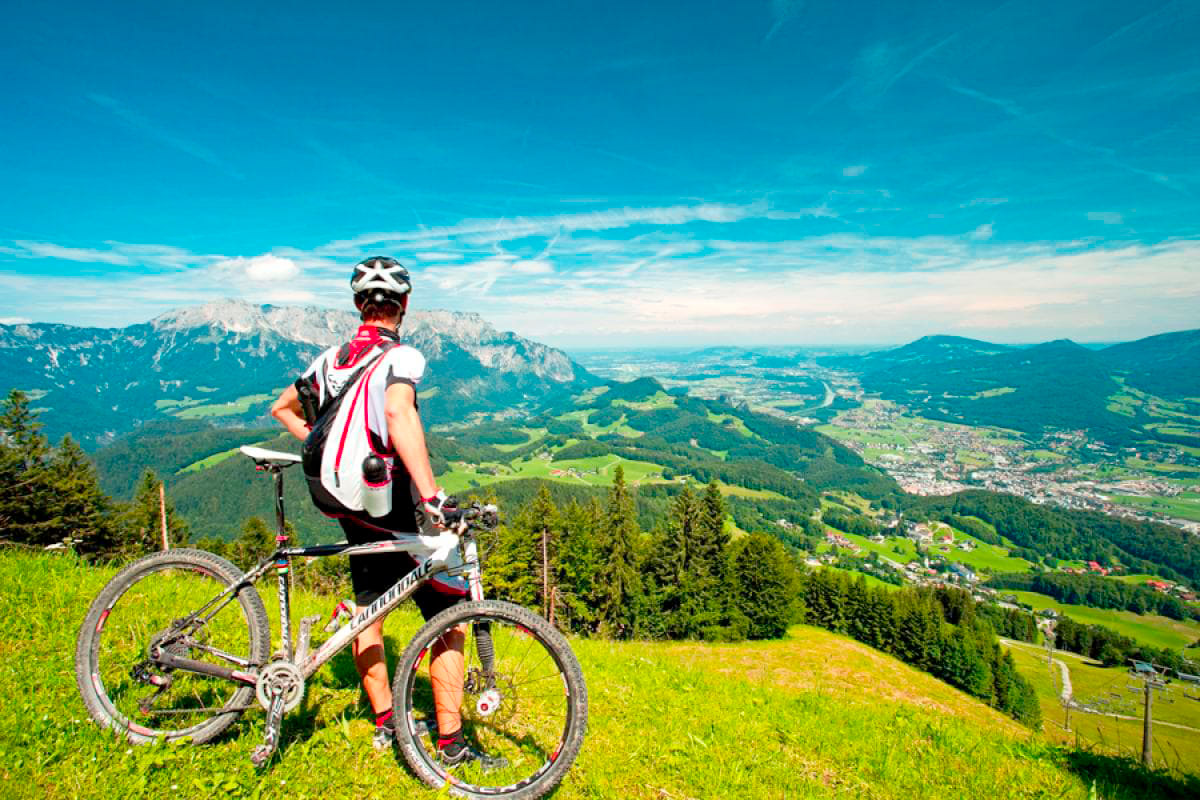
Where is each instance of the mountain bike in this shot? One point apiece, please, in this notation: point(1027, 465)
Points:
point(178, 645)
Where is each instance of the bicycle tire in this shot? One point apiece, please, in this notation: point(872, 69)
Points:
point(146, 599)
point(417, 749)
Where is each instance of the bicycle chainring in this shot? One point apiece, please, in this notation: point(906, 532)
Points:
point(283, 676)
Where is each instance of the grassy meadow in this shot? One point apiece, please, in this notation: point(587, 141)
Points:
point(1152, 629)
point(813, 716)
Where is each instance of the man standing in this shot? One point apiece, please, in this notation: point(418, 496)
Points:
point(385, 375)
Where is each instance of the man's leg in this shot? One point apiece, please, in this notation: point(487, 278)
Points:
point(372, 667)
point(446, 675)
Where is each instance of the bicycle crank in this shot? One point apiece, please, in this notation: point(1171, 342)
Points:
point(283, 678)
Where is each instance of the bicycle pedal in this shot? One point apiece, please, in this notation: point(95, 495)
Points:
point(341, 612)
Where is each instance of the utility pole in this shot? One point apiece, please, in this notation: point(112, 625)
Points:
point(1153, 677)
point(162, 511)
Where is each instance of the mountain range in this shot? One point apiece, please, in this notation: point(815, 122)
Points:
point(229, 358)
point(1117, 392)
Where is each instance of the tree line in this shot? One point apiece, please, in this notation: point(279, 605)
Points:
point(591, 566)
point(1097, 592)
point(938, 631)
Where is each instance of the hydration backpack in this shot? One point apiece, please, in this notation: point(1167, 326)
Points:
point(339, 442)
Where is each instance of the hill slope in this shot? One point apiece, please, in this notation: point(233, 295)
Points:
point(813, 716)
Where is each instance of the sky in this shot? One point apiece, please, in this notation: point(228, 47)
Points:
point(613, 174)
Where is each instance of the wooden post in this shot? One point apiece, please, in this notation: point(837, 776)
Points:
point(162, 511)
point(545, 578)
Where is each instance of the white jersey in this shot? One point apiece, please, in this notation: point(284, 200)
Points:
point(360, 426)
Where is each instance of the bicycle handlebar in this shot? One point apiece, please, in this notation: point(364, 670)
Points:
point(487, 516)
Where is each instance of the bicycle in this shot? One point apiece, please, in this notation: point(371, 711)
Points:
point(177, 646)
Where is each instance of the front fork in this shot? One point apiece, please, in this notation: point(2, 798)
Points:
point(483, 630)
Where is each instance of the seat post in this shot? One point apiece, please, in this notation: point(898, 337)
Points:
point(281, 536)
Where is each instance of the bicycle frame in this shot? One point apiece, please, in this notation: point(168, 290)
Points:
point(454, 554)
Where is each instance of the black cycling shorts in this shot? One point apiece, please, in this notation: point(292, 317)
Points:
point(372, 575)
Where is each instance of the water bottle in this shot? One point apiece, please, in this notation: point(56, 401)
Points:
point(377, 486)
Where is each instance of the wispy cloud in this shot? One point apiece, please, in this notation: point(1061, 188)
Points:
point(681, 274)
point(1107, 217)
point(85, 255)
point(782, 12)
point(161, 134)
point(854, 170)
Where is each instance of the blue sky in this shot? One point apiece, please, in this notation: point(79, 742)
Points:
point(614, 173)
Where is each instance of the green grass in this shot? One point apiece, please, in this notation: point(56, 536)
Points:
point(594, 471)
point(1151, 629)
point(1173, 747)
point(1184, 506)
point(813, 716)
point(205, 463)
point(984, 558)
point(238, 406)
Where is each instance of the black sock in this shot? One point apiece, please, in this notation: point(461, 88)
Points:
point(452, 743)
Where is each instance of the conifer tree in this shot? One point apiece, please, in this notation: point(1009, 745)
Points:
point(761, 570)
point(618, 585)
point(24, 475)
point(141, 520)
point(77, 507)
point(575, 568)
point(516, 567)
point(255, 542)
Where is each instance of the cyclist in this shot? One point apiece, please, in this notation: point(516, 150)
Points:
point(382, 288)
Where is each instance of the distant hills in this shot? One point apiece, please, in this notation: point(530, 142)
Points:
point(227, 359)
point(1055, 385)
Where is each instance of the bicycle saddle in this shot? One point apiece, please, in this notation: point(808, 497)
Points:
point(269, 457)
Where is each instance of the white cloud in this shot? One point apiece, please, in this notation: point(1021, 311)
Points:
point(266, 268)
point(982, 233)
point(854, 170)
point(15, 320)
point(83, 255)
point(1107, 217)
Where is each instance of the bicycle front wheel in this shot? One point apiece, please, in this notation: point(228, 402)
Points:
point(151, 605)
point(523, 702)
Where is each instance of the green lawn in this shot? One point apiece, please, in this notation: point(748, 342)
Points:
point(1175, 748)
point(1184, 506)
point(985, 557)
point(594, 471)
point(1152, 629)
point(813, 716)
point(239, 406)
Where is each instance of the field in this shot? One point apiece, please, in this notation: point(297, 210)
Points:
point(1174, 746)
point(1185, 505)
point(238, 406)
point(594, 471)
point(1151, 629)
point(813, 716)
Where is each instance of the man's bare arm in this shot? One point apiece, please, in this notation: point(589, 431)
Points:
point(408, 436)
point(287, 410)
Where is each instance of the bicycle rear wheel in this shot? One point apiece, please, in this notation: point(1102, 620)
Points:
point(150, 604)
point(524, 701)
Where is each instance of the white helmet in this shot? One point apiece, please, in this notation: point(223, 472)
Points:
point(380, 279)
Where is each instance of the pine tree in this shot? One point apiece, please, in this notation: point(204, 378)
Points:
point(77, 507)
point(575, 568)
point(141, 520)
point(618, 586)
point(761, 570)
point(48, 496)
point(714, 555)
point(255, 542)
point(515, 569)
point(24, 474)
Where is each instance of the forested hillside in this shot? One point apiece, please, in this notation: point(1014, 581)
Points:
point(1057, 385)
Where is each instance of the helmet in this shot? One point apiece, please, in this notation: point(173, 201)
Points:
point(380, 279)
